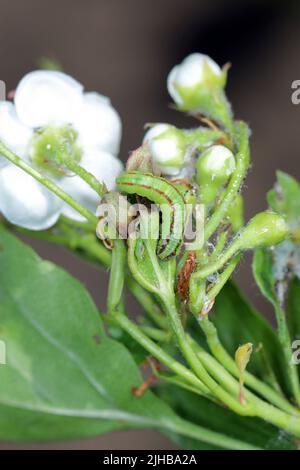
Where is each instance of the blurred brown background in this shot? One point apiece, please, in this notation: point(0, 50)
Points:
point(124, 49)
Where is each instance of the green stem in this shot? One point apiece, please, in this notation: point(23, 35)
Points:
point(228, 362)
point(181, 383)
point(19, 162)
point(222, 279)
point(115, 293)
point(242, 165)
point(198, 295)
point(148, 303)
point(261, 409)
point(216, 265)
point(156, 334)
point(134, 331)
point(84, 225)
point(220, 245)
point(285, 341)
point(209, 437)
point(202, 136)
point(85, 175)
point(197, 366)
point(116, 278)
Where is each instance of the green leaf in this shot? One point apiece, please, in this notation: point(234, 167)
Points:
point(285, 197)
point(237, 323)
point(137, 352)
point(206, 413)
point(64, 378)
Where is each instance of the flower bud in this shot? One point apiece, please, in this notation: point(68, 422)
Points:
point(141, 160)
point(114, 216)
point(167, 146)
point(213, 169)
point(264, 229)
point(197, 85)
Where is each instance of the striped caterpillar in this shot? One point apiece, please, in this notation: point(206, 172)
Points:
point(163, 193)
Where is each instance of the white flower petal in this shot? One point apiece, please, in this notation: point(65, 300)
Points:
point(25, 202)
point(105, 167)
point(171, 80)
point(164, 150)
point(219, 158)
point(163, 146)
point(191, 69)
point(13, 133)
point(3, 162)
point(155, 131)
point(43, 97)
point(98, 123)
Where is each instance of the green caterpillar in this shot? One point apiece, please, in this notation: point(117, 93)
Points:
point(163, 193)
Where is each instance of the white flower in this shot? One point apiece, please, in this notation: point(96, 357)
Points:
point(167, 146)
point(52, 115)
point(188, 81)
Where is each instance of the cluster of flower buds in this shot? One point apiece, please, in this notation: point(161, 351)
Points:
point(218, 156)
point(73, 137)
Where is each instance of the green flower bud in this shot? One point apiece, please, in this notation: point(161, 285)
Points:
point(197, 85)
point(213, 169)
point(167, 145)
point(264, 229)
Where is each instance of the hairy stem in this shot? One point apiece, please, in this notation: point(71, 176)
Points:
point(85, 175)
point(198, 367)
point(242, 165)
